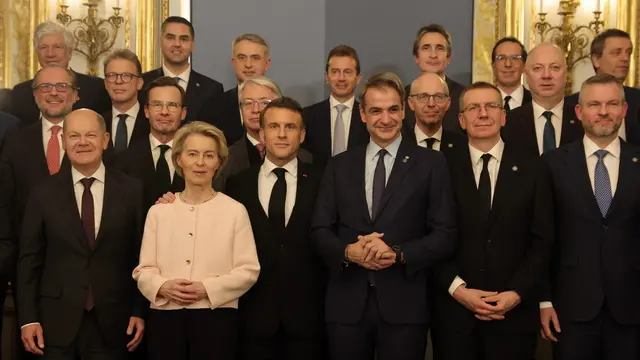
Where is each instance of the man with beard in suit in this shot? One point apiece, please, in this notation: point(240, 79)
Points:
point(508, 57)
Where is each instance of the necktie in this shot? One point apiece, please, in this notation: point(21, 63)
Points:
point(88, 224)
point(602, 183)
point(121, 133)
point(430, 142)
point(277, 200)
point(379, 183)
point(506, 102)
point(484, 185)
point(177, 79)
point(260, 148)
point(163, 177)
point(339, 134)
point(53, 151)
point(549, 134)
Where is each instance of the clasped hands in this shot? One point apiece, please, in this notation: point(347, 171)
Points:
point(487, 305)
point(371, 252)
point(183, 292)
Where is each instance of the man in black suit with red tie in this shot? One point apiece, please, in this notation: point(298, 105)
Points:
point(590, 308)
point(334, 124)
point(282, 316)
point(80, 242)
point(54, 46)
point(508, 57)
point(486, 299)
point(379, 230)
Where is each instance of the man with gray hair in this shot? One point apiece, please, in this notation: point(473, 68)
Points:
point(54, 45)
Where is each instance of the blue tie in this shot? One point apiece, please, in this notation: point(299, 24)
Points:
point(602, 184)
point(549, 134)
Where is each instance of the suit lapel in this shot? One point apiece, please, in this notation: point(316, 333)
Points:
point(140, 127)
point(577, 163)
point(507, 177)
point(193, 90)
point(401, 166)
point(324, 128)
point(110, 201)
point(301, 193)
point(467, 188)
point(628, 164)
point(356, 131)
point(571, 128)
point(69, 204)
point(529, 127)
point(358, 166)
point(37, 144)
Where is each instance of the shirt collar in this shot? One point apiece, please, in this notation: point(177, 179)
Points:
point(291, 167)
point(253, 141)
point(516, 95)
point(132, 112)
point(47, 125)
point(590, 147)
point(496, 152)
point(155, 142)
point(538, 109)
point(349, 103)
point(420, 136)
point(98, 175)
point(392, 149)
point(184, 76)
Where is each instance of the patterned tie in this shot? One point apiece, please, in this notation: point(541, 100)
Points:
point(88, 224)
point(549, 133)
point(53, 151)
point(121, 133)
point(506, 102)
point(261, 149)
point(339, 135)
point(430, 142)
point(602, 183)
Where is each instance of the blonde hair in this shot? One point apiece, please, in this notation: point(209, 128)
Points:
point(254, 38)
point(202, 128)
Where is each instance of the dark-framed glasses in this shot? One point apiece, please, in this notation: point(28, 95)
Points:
point(124, 77)
point(510, 57)
point(475, 108)
point(157, 106)
point(424, 98)
point(60, 87)
point(248, 104)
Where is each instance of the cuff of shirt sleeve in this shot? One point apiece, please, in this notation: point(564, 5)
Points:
point(545, 304)
point(455, 284)
point(29, 324)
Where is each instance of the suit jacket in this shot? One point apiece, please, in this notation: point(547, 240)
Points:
point(510, 251)
point(141, 127)
point(317, 118)
point(595, 257)
point(92, 95)
point(632, 119)
point(137, 161)
point(416, 212)
point(7, 123)
point(291, 287)
point(451, 141)
point(450, 121)
point(238, 161)
point(56, 265)
point(200, 93)
point(226, 115)
point(526, 97)
point(520, 128)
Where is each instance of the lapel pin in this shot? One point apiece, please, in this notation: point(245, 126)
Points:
point(450, 145)
point(635, 159)
point(197, 84)
point(406, 158)
point(304, 175)
point(572, 121)
point(515, 168)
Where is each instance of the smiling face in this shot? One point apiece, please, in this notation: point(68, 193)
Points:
point(52, 50)
point(382, 111)
point(177, 44)
point(54, 104)
point(601, 109)
point(84, 138)
point(509, 65)
point(199, 159)
point(250, 59)
point(342, 77)
point(482, 113)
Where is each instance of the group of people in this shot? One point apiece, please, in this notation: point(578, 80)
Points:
point(153, 215)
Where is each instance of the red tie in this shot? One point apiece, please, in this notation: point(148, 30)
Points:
point(260, 147)
point(53, 151)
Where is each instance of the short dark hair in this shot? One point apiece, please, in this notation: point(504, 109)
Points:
point(165, 81)
point(511, 39)
point(343, 51)
point(598, 42)
point(283, 102)
point(431, 28)
point(387, 80)
point(600, 79)
point(479, 85)
point(124, 54)
point(178, 20)
point(73, 80)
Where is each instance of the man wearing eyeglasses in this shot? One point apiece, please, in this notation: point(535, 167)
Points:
point(507, 60)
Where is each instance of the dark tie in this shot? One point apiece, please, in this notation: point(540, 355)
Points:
point(260, 148)
point(506, 102)
point(163, 177)
point(602, 183)
point(549, 134)
point(484, 186)
point(277, 200)
point(89, 226)
point(379, 183)
point(430, 142)
point(121, 133)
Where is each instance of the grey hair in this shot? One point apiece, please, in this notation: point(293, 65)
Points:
point(261, 81)
point(53, 28)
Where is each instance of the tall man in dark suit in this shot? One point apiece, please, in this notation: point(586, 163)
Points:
point(74, 272)
point(334, 124)
point(548, 121)
point(432, 51)
point(591, 306)
point(282, 316)
point(54, 45)
point(7, 123)
point(250, 58)
point(486, 303)
point(177, 42)
point(384, 216)
point(611, 53)
point(508, 57)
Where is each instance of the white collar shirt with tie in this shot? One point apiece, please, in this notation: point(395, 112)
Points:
point(267, 179)
point(421, 138)
point(346, 121)
point(132, 114)
point(184, 77)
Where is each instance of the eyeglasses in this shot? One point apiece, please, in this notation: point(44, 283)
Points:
point(124, 77)
point(425, 97)
point(60, 87)
point(248, 104)
point(159, 105)
point(511, 57)
point(475, 108)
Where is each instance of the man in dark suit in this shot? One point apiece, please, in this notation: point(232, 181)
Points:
point(508, 57)
point(149, 160)
point(611, 54)
point(334, 124)
point(255, 94)
point(282, 316)
point(384, 216)
point(590, 307)
point(54, 46)
point(250, 58)
point(7, 123)
point(177, 42)
point(548, 121)
point(486, 302)
point(429, 99)
point(74, 272)
point(432, 52)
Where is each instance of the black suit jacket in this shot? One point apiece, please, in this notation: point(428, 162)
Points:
point(416, 213)
point(595, 257)
point(227, 115)
point(200, 93)
point(520, 128)
point(141, 127)
point(318, 139)
point(526, 97)
point(92, 95)
point(510, 251)
point(56, 265)
point(7, 123)
point(291, 287)
point(450, 121)
point(451, 141)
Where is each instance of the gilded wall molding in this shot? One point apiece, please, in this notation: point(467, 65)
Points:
point(149, 17)
point(4, 44)
point(486, 27)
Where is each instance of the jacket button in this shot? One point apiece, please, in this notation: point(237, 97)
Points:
point(481, 270)
point(489, 241)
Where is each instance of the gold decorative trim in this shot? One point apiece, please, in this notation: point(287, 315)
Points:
point(39, 13)
point(148, 17)
point(486, 29)
point(127, 25)
point(4, 45)
point(626, 20)
point(165, 9)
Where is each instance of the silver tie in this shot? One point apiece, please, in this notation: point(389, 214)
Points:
point(339, 133)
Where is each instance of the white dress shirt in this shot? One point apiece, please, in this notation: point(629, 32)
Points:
point(516, 97)
point(253, 141)
point(184, 77)
point(132, 114)
point(421, 138)
point(540, 121)
point(493, 167)
point(346, 116)
point(371, 161)
point(97, 191)
point(155, 153)
point(267, 178)
point(46, 135)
